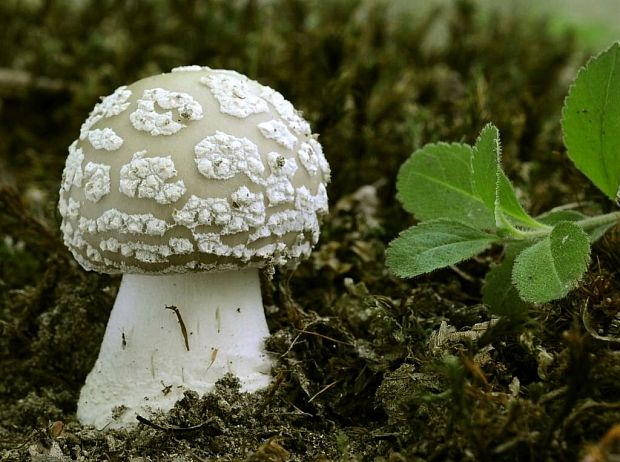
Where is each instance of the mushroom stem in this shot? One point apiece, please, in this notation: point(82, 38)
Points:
point(171, 333)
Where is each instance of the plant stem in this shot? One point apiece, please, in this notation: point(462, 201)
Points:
point(514, 233)
point(586, 224)
point(599, 220)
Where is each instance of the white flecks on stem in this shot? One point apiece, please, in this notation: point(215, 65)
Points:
point(146, 118)
point(96, 181)
point(146, 177)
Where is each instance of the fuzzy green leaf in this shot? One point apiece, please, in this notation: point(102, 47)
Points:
point(509, 206)
point(435, 244)
point(484, 165)
point(490, 183)
point(499, 293)
point(551, 267)
point(435, 182)
point(591, 121)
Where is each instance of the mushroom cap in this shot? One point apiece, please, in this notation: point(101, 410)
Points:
point(195, 170)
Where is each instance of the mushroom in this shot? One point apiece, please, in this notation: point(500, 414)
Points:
point(187, 183)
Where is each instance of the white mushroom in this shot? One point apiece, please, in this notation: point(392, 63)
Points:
point(187, 183)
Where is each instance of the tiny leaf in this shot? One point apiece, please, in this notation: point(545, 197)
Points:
point(509, 205)
point(551, 267)
point(484, 165)
point(435, 182)
point(490, 183)
point(591, 120)
point(435, 244)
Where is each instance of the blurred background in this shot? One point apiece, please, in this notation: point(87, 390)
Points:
point(361, 70)
point(71, 52)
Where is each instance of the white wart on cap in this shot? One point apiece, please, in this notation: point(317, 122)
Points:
point(194, 170)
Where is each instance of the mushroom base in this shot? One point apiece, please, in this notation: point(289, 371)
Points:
point(172, 333)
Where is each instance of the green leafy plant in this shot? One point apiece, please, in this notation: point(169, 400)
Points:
point(465, 203)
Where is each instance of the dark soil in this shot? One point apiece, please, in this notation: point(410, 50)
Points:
point(369, 367)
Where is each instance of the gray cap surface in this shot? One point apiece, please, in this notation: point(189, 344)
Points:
point(194, 170)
